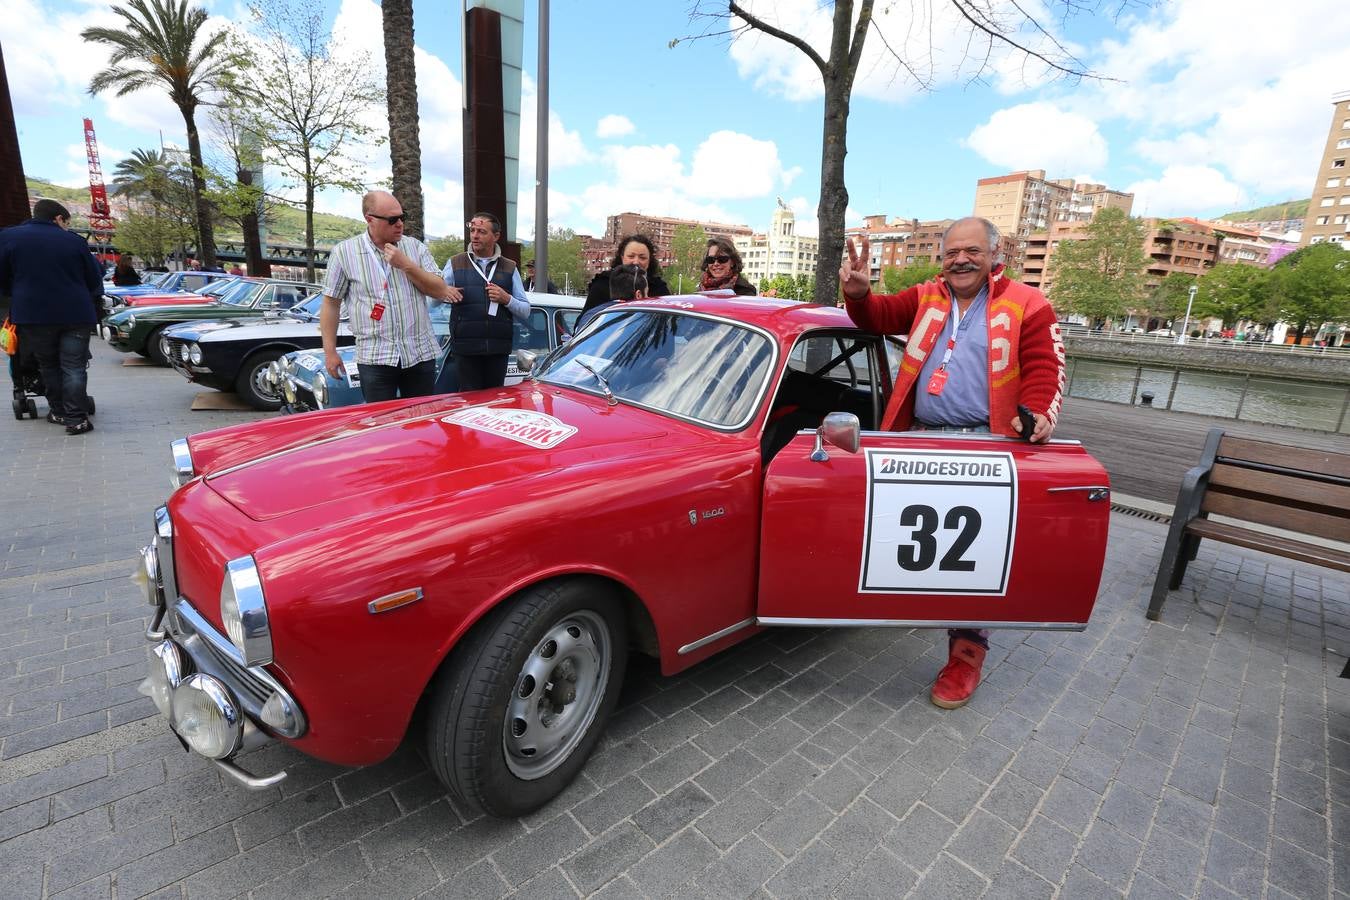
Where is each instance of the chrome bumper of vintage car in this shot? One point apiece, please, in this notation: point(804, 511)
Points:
point(214, 703)
point(303, 390)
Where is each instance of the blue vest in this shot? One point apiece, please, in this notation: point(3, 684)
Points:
point(473, 332)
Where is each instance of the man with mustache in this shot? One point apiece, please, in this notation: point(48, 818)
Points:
point(980, 345)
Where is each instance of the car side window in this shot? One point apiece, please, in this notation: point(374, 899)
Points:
point(532, 334)
point(193, 282)
point(826, 373)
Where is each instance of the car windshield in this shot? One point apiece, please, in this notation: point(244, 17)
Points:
point(307, 310)
point(695, 367)
point(236, 293)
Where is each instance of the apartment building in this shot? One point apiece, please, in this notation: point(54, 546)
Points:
point(1023, 203)
point(778, 251)
point(1329, 212)
point(661, 229)
point(1186, 245)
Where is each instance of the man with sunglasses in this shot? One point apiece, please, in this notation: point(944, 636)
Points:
point(982, 348)
point(493, 293)
point(385, 279)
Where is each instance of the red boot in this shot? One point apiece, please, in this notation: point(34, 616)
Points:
point(958, 679)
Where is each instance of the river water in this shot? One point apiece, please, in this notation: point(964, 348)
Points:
point(1275, 401)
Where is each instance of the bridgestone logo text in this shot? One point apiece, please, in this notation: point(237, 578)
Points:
point(942, 469)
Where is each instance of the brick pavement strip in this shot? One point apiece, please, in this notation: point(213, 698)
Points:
point(1205, 755)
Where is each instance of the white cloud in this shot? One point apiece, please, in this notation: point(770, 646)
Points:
point(733, 165)
point(1039, 136)
point(1182, 190)
point(613, 126)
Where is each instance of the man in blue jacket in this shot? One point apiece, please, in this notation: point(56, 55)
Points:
point(54, 284)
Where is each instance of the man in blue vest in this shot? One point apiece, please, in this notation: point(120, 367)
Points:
point(480, 324)
point(55, 285)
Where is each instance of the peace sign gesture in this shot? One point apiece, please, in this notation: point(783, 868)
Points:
point(854, 275)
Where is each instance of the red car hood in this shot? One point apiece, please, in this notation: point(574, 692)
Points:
point(365, 459)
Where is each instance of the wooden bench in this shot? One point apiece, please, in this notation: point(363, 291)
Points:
point(1287, 488)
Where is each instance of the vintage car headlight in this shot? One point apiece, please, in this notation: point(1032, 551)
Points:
point(288, 389)
point(182, 463)
point(243, 611)
point(130, 323)
point(194, 354)
point(320, 390)
point(206, 716)
point(166, 673)
point(273, 373)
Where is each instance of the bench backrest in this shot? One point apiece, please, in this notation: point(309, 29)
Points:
point(1293, 488)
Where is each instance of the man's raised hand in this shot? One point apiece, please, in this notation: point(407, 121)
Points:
point(854, 274)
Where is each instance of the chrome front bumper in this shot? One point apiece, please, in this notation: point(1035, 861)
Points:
point(206, 651)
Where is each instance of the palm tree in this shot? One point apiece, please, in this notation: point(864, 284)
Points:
point(405, 149)
point(142, 175)
point(158, 44)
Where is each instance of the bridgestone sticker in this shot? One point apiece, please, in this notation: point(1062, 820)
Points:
point(523, 426)
point(938, 522)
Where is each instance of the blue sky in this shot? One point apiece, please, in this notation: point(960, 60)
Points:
point(1215, 105)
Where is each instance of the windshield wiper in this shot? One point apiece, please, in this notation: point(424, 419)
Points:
point(604, 385)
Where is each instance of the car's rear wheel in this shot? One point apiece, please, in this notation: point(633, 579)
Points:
point(252, 384)
point(157, 347)
point(518, 707)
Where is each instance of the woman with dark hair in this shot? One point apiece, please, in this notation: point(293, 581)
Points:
point(722, 269)
point(124, 275)
point(633, 250)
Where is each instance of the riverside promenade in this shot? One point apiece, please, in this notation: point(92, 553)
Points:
point(1205, 755)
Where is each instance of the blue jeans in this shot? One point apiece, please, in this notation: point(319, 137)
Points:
point(387, 382)
point(62, 354)
point(479, 372)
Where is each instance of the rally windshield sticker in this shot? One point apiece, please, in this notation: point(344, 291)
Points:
point(523, 426)
point(938, 522)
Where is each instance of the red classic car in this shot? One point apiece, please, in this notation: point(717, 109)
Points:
point(682, 474)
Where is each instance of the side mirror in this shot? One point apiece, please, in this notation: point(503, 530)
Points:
point(842, 430)
point(525, 359)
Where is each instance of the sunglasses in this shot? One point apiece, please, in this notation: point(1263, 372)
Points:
point(720, 260)
point(392, 220)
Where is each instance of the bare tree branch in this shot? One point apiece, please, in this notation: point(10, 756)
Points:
point(760, 25)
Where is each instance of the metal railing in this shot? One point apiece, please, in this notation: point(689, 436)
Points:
point(1213, 343)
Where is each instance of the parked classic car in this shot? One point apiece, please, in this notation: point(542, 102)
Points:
point(170, 287)
point(305, 386)
point(683, 473)
point(141, 329)
point(237, 354)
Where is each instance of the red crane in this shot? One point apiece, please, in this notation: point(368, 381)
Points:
point(100, 214)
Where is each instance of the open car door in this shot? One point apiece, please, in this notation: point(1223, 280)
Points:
point(933, 529)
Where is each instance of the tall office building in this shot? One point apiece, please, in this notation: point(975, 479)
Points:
point(1329, 212)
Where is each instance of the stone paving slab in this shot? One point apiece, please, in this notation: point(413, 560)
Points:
point(1205, 755)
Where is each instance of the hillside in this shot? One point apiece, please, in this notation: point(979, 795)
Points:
point(286, 225)
point(1289, 209)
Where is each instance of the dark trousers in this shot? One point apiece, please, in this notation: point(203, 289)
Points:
point(477, 372)
point(387, 382)
point(62, 354)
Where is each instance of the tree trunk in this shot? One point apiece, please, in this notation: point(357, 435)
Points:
point(405, 149)
point(833, 203)
point(309, 230)
point(206, 232)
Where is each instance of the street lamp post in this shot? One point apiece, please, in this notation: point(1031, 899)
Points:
point(1186, 323)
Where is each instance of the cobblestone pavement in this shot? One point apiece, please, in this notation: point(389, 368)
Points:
point(1204, 755)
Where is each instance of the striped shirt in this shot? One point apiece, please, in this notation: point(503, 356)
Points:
point(360, 278)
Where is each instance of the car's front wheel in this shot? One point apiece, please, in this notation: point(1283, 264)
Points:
point(253, 385)
point(519, 705)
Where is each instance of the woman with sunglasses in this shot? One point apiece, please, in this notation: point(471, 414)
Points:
point(722, 269)
point(633, 250)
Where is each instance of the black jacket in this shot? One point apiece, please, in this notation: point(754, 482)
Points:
point(50, 275)
point(598, 290)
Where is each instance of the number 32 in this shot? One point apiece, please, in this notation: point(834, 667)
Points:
point(920, 554)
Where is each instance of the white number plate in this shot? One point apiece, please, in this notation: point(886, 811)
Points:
point(938, 522)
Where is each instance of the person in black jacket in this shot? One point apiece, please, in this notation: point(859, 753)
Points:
point(124, 275)
point(548, 287)
point(722, 269)
point(54, 284)
point(633, 250)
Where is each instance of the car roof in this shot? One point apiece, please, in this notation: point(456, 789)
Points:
point(560, 301)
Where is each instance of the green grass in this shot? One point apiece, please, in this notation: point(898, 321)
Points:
point(44, 188)
point(1289, 209)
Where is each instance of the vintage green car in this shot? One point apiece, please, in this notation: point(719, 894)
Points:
point(142, 330)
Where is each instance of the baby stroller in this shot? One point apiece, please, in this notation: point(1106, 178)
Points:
point(28, 386)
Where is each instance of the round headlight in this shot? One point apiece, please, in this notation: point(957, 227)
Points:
point(206, 716)
point(166, 673)
point(320, 390)
point(130, 322)
point(288, 390)
point(195, 354)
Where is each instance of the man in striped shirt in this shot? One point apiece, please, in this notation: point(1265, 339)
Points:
point(384, 279)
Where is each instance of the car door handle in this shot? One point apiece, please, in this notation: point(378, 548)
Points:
point(1094, 491)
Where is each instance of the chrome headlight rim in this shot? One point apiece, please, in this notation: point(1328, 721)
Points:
point(243, 611)
point(182, 462)
point(320, 388)
point(166, 674)
point(194, 354)
point(130, 323)
point(149, 574)
point(215, 697)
